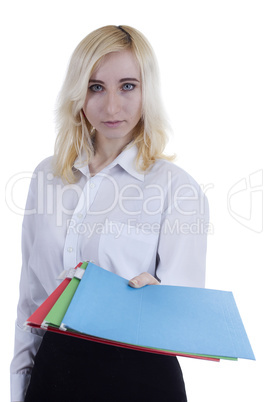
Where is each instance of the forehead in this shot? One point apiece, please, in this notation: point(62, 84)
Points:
point(117, 65)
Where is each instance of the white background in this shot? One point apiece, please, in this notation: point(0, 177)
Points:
point(214, 63)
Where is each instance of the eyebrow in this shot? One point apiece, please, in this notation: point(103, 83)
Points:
point(122, 80)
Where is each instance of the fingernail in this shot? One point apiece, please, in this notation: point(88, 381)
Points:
point(134, 282)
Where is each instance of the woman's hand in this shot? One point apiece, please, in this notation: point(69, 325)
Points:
point(142, 280)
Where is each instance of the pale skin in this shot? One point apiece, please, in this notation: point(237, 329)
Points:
point(114, 107)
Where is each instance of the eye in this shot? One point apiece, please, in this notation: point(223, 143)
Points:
point(128, 87)
point(96, 88)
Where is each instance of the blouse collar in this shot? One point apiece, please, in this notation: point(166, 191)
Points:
point(126, 159)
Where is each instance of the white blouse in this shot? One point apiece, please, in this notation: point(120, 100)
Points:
point(121, 219)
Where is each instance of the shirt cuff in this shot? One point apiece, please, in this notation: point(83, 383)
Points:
point(19, 384)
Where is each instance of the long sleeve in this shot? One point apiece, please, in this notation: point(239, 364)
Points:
point(26, 342)
point(49, 206)
point(182, 243)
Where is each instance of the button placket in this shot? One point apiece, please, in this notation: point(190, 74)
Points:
point(85, 201)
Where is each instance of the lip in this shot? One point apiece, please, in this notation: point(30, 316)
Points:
point(113, 124)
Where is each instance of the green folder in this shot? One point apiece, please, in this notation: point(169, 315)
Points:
point(56, 314)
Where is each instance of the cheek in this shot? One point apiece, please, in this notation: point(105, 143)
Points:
point(138, 113)
point(90, 110)
point(136, 108)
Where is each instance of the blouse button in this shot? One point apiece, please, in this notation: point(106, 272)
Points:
point(92, 185)
point(69, 249)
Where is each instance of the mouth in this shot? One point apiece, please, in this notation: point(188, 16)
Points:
point(113, 124)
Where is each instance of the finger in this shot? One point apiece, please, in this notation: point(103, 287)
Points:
point(142, 280)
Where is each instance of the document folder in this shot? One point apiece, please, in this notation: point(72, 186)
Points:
point(173, 320)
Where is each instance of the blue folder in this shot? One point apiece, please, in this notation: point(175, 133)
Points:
point(184, 320)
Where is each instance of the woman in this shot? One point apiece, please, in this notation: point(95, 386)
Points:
point(110, 196)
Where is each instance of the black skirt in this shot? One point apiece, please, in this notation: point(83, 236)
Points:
point(69, 369)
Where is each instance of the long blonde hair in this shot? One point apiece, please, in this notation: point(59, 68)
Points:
point(75, 133)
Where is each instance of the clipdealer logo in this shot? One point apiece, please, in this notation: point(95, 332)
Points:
point(244, 198)
point(245, 201)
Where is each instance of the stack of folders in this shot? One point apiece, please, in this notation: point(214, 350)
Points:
point(95, 304)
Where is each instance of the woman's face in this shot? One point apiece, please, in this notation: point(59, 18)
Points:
point(114, 99)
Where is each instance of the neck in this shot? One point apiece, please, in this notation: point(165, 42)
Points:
point(105, 153)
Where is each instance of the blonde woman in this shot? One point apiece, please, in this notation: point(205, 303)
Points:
point(109, 195)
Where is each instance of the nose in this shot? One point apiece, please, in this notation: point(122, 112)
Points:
point(113, 103)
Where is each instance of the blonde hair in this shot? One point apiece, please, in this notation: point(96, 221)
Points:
point(75, 133)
